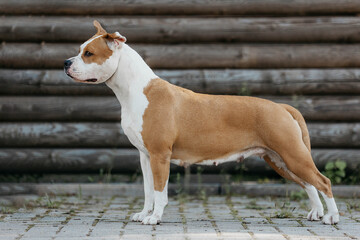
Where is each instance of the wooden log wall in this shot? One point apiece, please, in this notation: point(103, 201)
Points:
point(185, 56)
point(173, 7)
point(301, 52)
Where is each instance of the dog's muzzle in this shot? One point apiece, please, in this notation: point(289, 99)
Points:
point(67, 65)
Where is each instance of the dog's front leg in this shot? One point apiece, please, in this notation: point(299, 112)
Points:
point(148, 189)
point(160, 166)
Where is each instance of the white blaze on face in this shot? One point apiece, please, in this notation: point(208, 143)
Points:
point(100, 66)
point(82, 47)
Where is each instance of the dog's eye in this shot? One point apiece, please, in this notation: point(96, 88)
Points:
point(88, 54)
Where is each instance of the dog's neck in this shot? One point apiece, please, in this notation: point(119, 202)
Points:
point(130, 78)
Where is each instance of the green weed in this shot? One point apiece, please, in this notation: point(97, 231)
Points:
point(201, 190)
point(352, 205)
point(244, 90)
point(179, 188)
point(49, 203)
point(253, 205)
point(298, 195)
point(6, 210)
point(285, 211)
point(79, 194)
point(335, 171)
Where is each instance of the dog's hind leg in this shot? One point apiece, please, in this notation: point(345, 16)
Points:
point(299, 161)
point(317, 210)
point(274, 162)
point(148, 189)
point(298, 156)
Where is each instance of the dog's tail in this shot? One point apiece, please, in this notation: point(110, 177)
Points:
point(301, 121)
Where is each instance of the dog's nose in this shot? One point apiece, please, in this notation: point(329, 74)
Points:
point(67, 64)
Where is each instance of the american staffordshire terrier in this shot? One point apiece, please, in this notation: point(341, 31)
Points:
point(167, 123)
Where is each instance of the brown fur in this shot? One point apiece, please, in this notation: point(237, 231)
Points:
point(282, 172)
point(99, 28)
point(301, 121)
point(100, 49)
point(181, 124)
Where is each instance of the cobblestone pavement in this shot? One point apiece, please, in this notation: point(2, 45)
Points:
point(76, 217)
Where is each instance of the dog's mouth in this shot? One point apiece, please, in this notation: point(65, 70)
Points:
point(67, 73)
point(91, 80)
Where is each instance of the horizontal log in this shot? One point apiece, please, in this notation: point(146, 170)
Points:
point(68, 160)
point(31, 55)
point(229, 81)
point(324, 108)
point(74, 135)
point(334, 135)
point(166, 7)
point(136, 190)
point(184, 30)
point(283, 81)
point(25, 160)
point(314, 108)
point(52, 82)
point(63, 135)
point(59, 109)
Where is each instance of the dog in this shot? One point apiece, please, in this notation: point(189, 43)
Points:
point(167, 123)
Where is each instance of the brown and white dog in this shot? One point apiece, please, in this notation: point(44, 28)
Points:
point(167, 124)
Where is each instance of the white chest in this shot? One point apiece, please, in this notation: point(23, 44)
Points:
point(132, 126)
point(128, 83)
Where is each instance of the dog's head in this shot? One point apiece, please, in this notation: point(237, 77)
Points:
point(97, 59)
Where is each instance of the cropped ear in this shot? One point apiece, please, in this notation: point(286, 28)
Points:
point(115, 38)
point(99, 28)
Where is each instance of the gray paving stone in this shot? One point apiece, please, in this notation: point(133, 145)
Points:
point(297, 237)
point(137, 237)
point(285, 222)
point(36, 238)
point(175, 229)
point(106, 217)
point(295, 231)
point(53, 219)
point(169, 236)
point(77, 230)
point(43, 231)
point(8, 234)
point(327, 231)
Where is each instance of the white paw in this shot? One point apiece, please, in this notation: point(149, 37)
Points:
point(315, 214)
point(138, 217)
point(331, 218)
point(151, 220)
